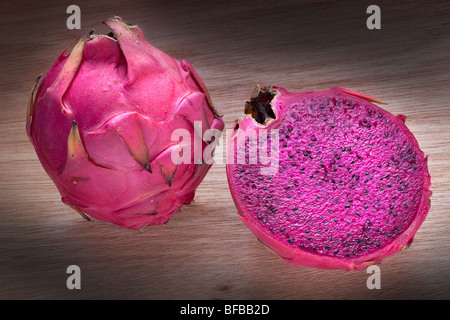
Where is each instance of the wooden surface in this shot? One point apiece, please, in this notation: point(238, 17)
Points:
point(205, 252)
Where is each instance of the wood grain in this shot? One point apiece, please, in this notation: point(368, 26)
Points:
point(205, 252)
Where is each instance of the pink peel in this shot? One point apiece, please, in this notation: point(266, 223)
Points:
point(101, 122)
point(358, 94)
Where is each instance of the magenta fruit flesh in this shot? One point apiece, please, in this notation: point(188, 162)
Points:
point(352, 184)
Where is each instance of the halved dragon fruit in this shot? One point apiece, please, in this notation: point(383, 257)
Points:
point(327, 179)
point(106, 122)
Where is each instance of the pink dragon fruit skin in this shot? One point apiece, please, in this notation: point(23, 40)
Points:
point(351, 185)
point(101, 122)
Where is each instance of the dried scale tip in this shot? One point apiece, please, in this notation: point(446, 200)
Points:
point(77, 209)
point(32, 103)
point(104, 136)
point(75, 147)
point(350, 185)
point(260, 106)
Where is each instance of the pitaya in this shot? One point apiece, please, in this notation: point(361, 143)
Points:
point(349, 184)
point(104, 124)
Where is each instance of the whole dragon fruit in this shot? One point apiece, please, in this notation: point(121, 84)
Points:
point(340, 183)
point(106, 122)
